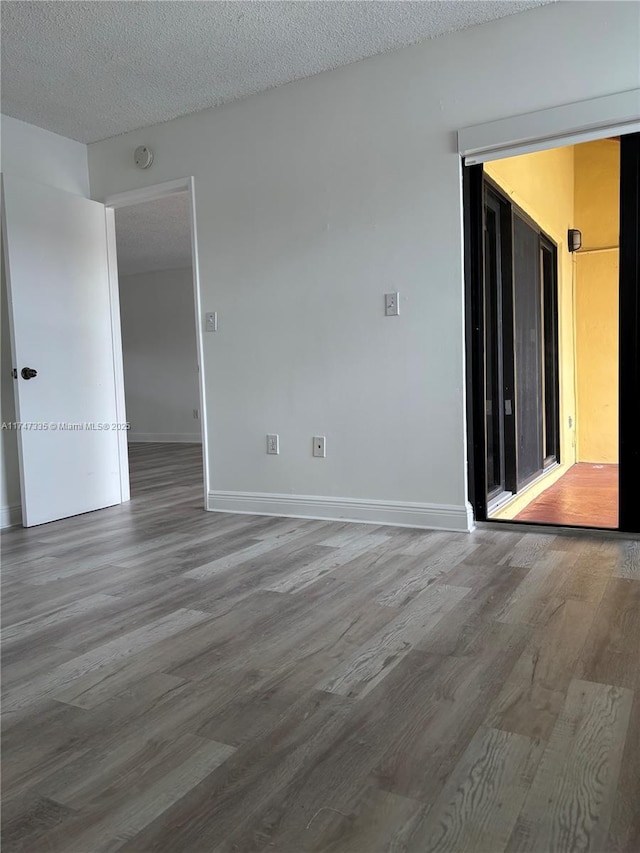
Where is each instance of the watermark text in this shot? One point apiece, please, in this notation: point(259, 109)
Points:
point(65, 426)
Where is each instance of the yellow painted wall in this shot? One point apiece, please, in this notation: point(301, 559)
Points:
point(542, 184)
point(597, 192)
point(597, 215)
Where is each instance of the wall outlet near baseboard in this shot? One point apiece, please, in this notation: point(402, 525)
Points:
point(273, 444)
point(319, 446)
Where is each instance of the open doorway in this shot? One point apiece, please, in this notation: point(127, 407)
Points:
point(159, 341)
point(551, 335)
point(546, 336)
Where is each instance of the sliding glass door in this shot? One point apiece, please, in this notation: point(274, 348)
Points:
point(529, 347)
point(520, 317)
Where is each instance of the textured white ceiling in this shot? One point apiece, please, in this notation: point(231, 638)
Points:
point(89, 70)
point(155, 235)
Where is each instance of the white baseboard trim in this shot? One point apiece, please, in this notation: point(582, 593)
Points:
point(165, 437)
point(397, 513)
point(10, 516)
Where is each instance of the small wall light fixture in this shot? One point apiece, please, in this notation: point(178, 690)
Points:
point(574, 239)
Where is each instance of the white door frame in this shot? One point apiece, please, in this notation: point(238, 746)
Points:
point(126, 199)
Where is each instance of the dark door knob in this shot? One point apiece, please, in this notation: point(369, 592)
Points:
point(28, 372)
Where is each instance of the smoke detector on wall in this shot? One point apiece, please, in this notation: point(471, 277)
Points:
point(143, 157)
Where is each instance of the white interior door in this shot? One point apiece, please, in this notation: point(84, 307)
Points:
point(60, 313)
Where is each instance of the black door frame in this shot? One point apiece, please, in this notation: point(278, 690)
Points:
point(629, 339)
point(629, 369)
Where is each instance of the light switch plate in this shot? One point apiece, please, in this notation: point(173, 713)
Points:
point(319, 446)
point(392, 304)
point(211, 321)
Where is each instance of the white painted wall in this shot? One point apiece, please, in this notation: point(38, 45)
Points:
point(47, 158)
point(160, 355)
point(37, 155)
point(314, 199)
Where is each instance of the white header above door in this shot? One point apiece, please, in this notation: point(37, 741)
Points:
point(583, 121)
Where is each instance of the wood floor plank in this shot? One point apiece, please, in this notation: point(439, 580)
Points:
point(624, 829)
point(425, 542)
point(34, 626)
point(612, 651)
point(558, 575)
point(535, 691)
point(371, 663)
point(376, 567)
point(244, 555)
point(529, 551)
point(93, 689)
point(216, 813)
point(26, 667)
point(27, 818)
point(380, 740)
point(349, 535)
point(131, 608)
point(412, 576)
point(480, 803)
point(441, 550)
point(628, 564)
point(127, 804)
point(27, 601)
point(63, 675)
point(342, 771)
point(328, 563)
point(381, 822)
point(571, 800)
point(455, 702)
point(168, 655)
point(539, 586)
point(333, 625)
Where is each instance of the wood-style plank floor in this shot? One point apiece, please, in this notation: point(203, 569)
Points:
point(190, 682)
point(586, 496)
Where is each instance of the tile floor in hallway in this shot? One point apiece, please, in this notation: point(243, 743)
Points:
point(586, 496)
